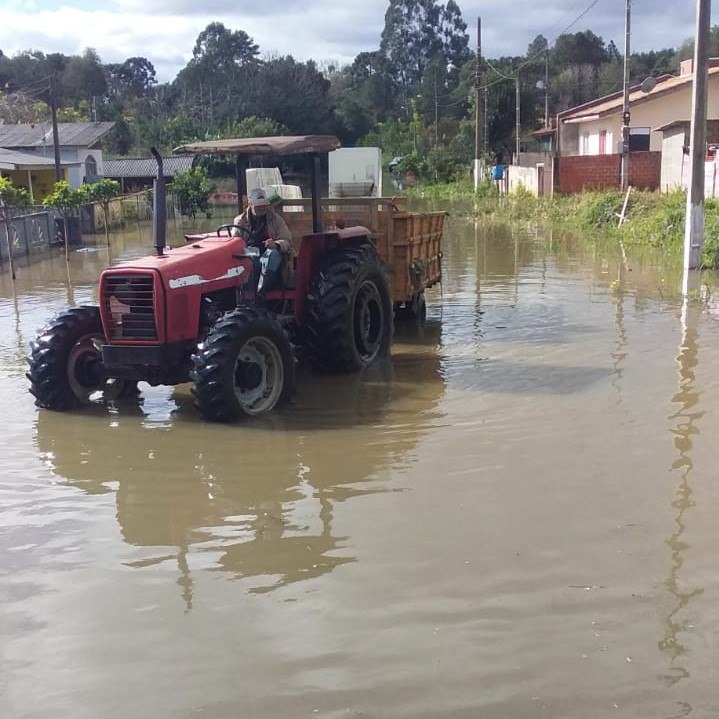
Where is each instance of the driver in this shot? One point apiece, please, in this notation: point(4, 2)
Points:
point(267, 231)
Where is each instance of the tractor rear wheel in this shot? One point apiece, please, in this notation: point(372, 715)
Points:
point(65, 366)
point(349, 317)
point(244, 367)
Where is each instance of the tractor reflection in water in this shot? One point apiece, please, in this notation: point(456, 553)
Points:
point(269, 524)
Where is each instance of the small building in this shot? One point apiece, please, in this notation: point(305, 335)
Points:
point(589, 140)
point(34, 153)
point(676, 161)
point(34, 174)
point(137, 173)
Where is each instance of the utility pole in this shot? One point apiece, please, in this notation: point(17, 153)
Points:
point(694, 223)
point(625, 102)
point(478, 109)
point(436, 109)
point(55, 138)
point(519, 124)
point(546, 86)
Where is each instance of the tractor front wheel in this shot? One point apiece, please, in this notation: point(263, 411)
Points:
point(244, 367)
point(65, 366)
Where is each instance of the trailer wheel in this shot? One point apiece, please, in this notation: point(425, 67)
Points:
point(65, 367)
point(415, 310)
point(349, 316)
point(244, 367)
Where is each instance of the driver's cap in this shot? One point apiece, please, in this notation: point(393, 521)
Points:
point(257, 197)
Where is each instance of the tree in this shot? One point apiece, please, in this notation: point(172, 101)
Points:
point(193, 189)
point(101, 192)
point(211, 84)
point(83, 78)
point(415, 31)
point(293, 94)
point(65, 200)
point(12, 201)
point(132, 78)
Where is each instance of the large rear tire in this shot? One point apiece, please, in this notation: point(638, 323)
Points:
point(244, 368)
point(349, 316)
point(65, 367)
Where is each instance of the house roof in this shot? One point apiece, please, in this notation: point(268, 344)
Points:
point(612, 103)
point(13, 160)
point(70, 134)
point(145, 166)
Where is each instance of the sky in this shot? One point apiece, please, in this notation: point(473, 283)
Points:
point(328, 31)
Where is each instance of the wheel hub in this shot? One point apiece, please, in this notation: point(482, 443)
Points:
point(369, 320)
point(258, 375)
point(85, 371)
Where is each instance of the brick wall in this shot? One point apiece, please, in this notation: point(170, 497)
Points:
point(593, 172)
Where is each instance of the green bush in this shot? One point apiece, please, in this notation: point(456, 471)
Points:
point(193, 188)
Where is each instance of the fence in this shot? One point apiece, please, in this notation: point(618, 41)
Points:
point(40, 229)
point(127, 209)
point(30, 234)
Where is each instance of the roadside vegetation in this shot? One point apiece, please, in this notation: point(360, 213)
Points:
point(652, 219)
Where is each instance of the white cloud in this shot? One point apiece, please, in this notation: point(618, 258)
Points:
point(164, 31)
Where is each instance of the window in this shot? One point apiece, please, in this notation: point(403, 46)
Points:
point(90, 168)
point(585, 144)
point(639, 139)
point(603, 142)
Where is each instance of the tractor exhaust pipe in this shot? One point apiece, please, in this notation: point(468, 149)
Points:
point(159, 207)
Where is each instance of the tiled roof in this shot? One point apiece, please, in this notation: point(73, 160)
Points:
point(70, 134)
point(611, 103)
point(145, 166)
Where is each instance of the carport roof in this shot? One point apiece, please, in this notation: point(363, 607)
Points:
point(70, 134)
point(13, 160)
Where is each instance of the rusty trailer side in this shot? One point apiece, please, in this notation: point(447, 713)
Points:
point(409, 243)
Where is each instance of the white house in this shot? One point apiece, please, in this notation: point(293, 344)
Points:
point(595, 128)
point(80, 153)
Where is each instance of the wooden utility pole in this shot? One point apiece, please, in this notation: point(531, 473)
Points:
point(625, 102)
point(55, 138)
point(694, 223)
point(478, 114)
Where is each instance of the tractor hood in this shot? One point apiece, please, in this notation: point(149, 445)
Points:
point(200, 261)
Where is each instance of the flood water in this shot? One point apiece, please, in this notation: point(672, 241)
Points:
point(513, 518)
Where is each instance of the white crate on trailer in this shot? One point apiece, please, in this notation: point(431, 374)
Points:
point(355, 172)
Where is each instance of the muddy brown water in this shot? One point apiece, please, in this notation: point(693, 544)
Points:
point(513, 518)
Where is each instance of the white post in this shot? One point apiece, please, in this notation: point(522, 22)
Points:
point(694, 224)
point(625, 101)
point(519, 125)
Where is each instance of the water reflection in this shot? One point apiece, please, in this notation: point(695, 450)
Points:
point(685, 427)
point(255, 501)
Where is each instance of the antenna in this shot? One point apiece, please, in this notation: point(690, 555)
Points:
point(648, 85)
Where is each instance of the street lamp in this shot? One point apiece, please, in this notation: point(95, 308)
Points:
point(450, 67)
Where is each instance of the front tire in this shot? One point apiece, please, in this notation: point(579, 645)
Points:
point(349, 316)
point(244, 368)
point(65, 367)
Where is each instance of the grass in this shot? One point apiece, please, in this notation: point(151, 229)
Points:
point(652, 219)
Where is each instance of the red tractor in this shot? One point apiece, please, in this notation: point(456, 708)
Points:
point(192, 313)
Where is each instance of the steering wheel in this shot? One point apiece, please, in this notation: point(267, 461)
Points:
point(244, 232)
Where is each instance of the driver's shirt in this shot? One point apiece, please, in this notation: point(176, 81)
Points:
point(258, 230)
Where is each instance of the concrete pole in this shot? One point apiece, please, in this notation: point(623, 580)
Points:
point(694, 223)
point(477, 109)
point(519, 124)
point(546, 86)
point(625, 102)
point(55, 137)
